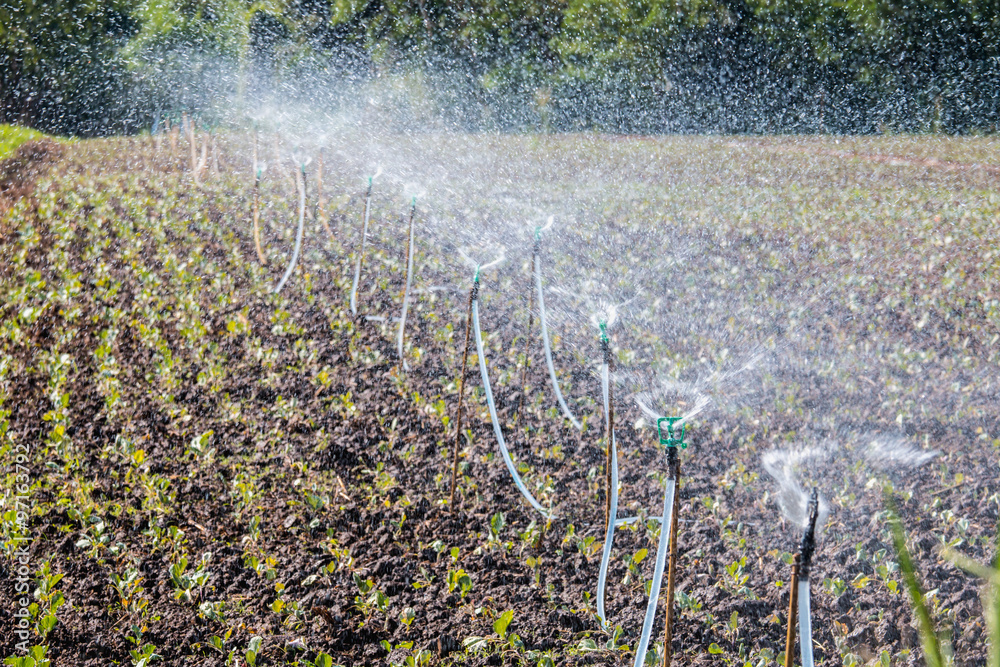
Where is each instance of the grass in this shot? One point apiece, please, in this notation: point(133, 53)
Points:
point(12, 136)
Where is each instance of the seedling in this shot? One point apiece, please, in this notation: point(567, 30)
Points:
point(461, 580)
point(185, 582)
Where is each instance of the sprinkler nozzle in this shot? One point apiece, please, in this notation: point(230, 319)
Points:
point(475, 284)
point(671, 440)
point(808, 545)
point(605, 343)
point(413, 204)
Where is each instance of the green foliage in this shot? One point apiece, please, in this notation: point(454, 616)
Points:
point(84, 66)
point(12, 136)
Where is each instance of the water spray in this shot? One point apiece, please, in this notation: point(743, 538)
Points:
point(364, 237)
point(799, 595)
point(298, 232)
point(537, 262)
point(406, 289)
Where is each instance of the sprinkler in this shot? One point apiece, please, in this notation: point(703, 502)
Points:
point(298, 232)
point(215, 154)
point(406, 289)
point(799, 595)
point(193, 143)
point(258, 173)
point(667, 543)
point(611, 469)
point(364, 237)
point(536, 261)
point(492, 405)
point(674, 474)
point(531, 321)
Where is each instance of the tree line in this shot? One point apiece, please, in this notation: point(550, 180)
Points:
point(93, 67)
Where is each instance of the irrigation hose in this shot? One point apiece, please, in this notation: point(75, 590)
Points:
point(805, 624)
point(661, 558)
point(406, 290)
point(298, 232)
point(527, 337)
point(493, 415)
point(361, 254)
point(548, 350)
point(609, 536)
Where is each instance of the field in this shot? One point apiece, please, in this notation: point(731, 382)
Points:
point(206, 472)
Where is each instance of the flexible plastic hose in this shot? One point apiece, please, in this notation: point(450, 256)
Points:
point(609, 535)
point(548, 350)
point(406, 298)
point(661, 559)
point(805, 624)
point(298, 234)
point(493, 415)
point(361, 253)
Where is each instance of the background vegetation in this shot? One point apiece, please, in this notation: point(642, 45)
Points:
point(89, 67)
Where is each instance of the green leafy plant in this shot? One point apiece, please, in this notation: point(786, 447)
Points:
point(461, 580)
point(185, 582)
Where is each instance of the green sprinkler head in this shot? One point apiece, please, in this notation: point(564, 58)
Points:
point(671, 440)
point(413, 204)
point(604, 331)
point(474, 294)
